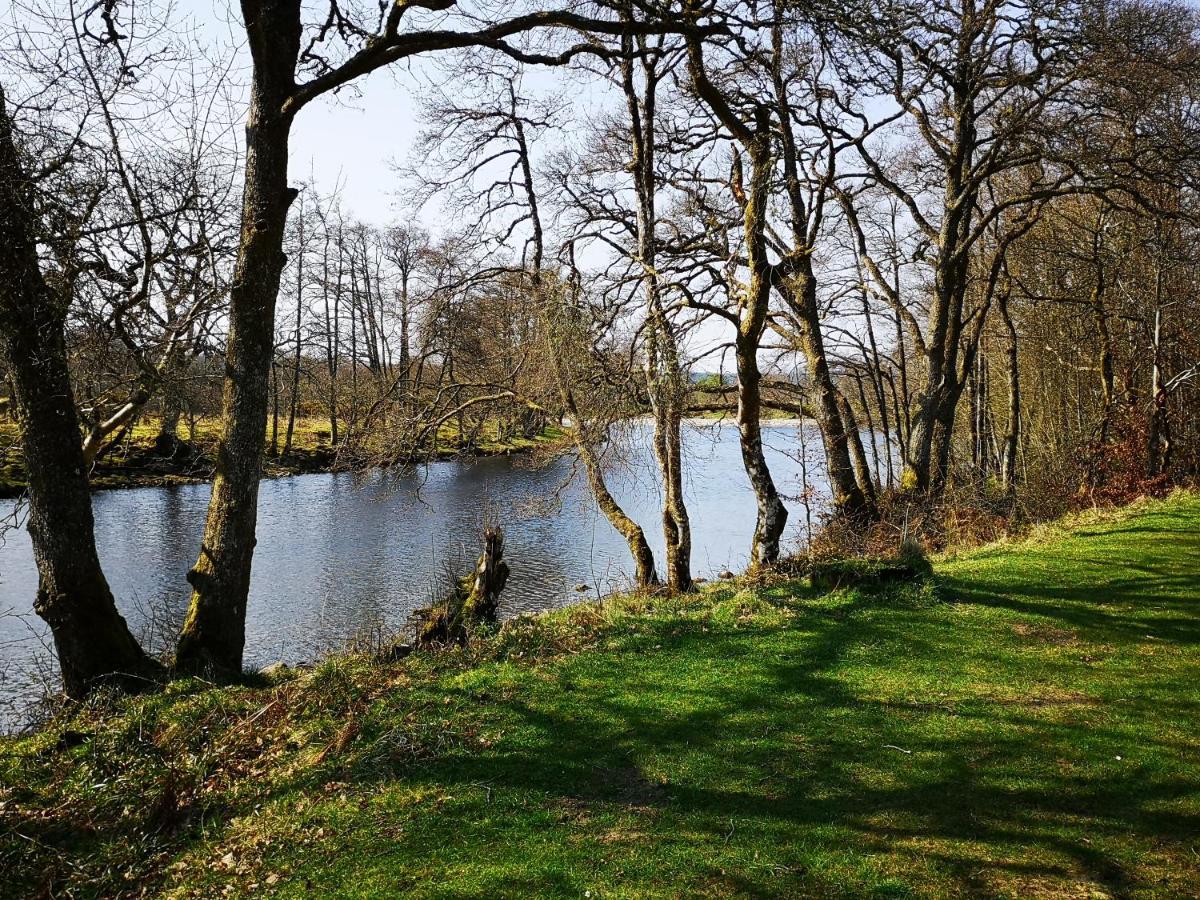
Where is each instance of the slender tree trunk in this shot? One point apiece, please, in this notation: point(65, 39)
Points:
point(274, 449)
point(214, 632)
point(1159, 440)
point(772, 515)
point(406, 376)
point(93, 642)
point(903, 403)
point(663, 375)
point(756, 140)
point(352, 420)
point(666, 393)
point(862, 468)
point(635, 537)
point(583, 433)
point(849, 497)
point(876, 466)
point(1100, 317)
point(876, 371)
point(298, 356)
point(1012, 434)
point(975, 397)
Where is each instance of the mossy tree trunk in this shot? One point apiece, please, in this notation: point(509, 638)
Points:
point(664, 376)
point(92, 639)
point(475, 601)
point(755, 138)
point(851, 497)
point(863, 473)
point(772, 514)
point(643, 557)
point(562, 329)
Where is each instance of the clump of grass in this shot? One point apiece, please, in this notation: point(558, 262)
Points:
point(830, 574)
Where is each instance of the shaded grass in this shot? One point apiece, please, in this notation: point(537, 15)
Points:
point(1024, 725)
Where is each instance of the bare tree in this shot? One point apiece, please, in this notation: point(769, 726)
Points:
point(214, 632)
point(93, 642)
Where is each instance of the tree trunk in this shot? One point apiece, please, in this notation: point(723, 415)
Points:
point(772, 514)
point(858, 456)
point(294, 400)
point(93, 642)
point(214, 632)
point(475, 600)
point(1100, 316)
point(274, 448)
point(166, 442)
point(663, 376)
point(677, 531)
point(559, 352)
point(585, 443)
point(1012, 434)
point(849, 498)
point(756, 139)
point(639, 548)
point(1158, 455)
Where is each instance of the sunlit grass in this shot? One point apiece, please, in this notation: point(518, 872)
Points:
point(1022, 726)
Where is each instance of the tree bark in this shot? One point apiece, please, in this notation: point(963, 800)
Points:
point(214, 632)
point(664, 380)
point(166, 442)
point(1012, 434)
point(475, 600)
point(93, 642)
point(850, 499)
point(583, 433)
point(772, 515)
point(756, 139)
point(858, 456)
point(294, 400)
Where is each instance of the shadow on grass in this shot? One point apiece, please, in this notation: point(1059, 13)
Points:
point(797, 753)
point(761, 761)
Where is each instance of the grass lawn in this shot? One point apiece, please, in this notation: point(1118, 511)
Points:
point(1025, 726)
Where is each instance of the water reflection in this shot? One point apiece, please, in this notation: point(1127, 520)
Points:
point(343, 554)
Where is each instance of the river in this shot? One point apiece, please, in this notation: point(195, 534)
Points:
point(344, 555)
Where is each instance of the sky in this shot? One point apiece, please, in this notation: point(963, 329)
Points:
point(348, 139)
point(353, 138)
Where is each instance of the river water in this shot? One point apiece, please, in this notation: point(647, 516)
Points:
point(344, 555)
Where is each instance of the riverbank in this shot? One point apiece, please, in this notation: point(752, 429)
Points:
point(141, 464)
point(1023, 725)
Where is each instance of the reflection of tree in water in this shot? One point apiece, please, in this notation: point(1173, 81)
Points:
point(348, 556)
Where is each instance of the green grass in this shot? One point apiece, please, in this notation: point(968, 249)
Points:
point(1024, 726)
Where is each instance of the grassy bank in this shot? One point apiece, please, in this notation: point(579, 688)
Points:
point(138, 464)
point(1023, 726)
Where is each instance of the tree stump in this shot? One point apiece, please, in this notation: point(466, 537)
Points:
point(475, 599)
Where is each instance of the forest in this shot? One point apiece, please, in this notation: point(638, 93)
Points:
point(956, 238)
